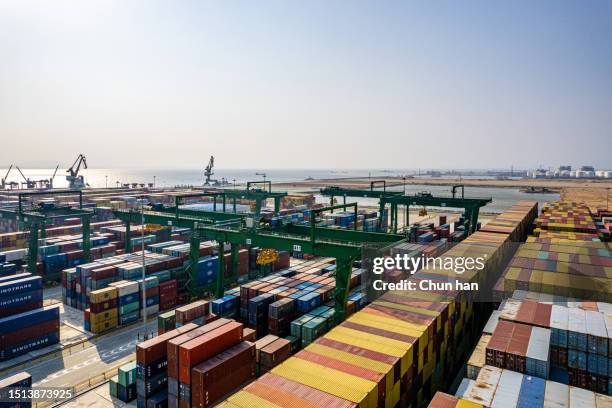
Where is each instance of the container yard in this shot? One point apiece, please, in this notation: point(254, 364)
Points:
point(279, 313)
point(305, 204)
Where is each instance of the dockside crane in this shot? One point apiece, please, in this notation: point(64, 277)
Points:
point(49, 183)
point(208, 172)
point(29, 183)
point(74, 180)
point(3, 180)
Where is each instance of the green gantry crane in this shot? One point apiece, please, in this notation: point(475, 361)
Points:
point(471, 206)
point(344, 245)
point(35, 218)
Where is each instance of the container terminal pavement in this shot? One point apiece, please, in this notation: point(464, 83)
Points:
point(394, 351)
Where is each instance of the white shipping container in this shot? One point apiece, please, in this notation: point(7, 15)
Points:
point(152, 310)
point(577, 329)
point(484, 390)
point(14, 255)
point(465, 387)
point(510, 309)
point(508, 389)
point(556, 395)
point(127, 288)
point(559, 317)
point(603, 401)
point(597, 335)
point(581, 398)
point(537, 352)
point(478, 358)
point(492, 322)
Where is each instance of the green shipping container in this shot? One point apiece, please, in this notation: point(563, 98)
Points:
point(295, 344)
point(166, 321)
point(319, 311)
point(329, 317)
point(296, 325)
point(112, 384)
point(162, 275)
point(127, 374)
point(313, 329)
point(129, 308)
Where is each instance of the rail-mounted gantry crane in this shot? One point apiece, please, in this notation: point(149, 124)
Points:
point(345, 245)
point(471, 206)
point(247, 229)
point(35, 217)
point(76, 181)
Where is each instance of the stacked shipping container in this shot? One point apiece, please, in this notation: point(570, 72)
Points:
point(398, 347)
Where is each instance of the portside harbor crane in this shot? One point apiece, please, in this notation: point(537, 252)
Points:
point(74, 180)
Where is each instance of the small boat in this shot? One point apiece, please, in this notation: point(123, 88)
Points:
point(538, 190)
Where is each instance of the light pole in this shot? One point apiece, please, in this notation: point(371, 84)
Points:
point(105, 181)
point(234, 180)
point(407, 215)
point(154, 181)
point(144, 286)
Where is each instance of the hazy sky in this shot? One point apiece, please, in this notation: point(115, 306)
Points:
point(278, 84)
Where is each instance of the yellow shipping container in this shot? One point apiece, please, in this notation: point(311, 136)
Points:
point(356, 360)
point(110, 314)
point(370, 344)
point(244, 399)
point(334, 382)
point(102, 295)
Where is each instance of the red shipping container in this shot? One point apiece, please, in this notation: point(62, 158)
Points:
point(206, 346)
point(296, 394)
point(191, 311)
point(174, 263)
point(26, 333)
point(155, 348)
point(274, 353)
point(6, 311)
point(152, 291)
point(103, 306)
point(221, 374)
point(167, 304)
point(172, 348)
point(516, 353)
point(104, 272)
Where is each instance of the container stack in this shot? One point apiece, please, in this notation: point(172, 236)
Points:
point(152, 365)
point(27, 331)
point(168, 291)
point(569, 341)
point(166, 322)
point(497, 388)
point(102, 314)
point(520, 347)
point(128, 301)
point(195, 312)
point(270, 351)
point(208, 362)
point(123, 385)
point(20, 293)
point(19, 380)
point(227, 306)
point(576, 269)
point(280, 315)
point(78, 282)
point(397, 347)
